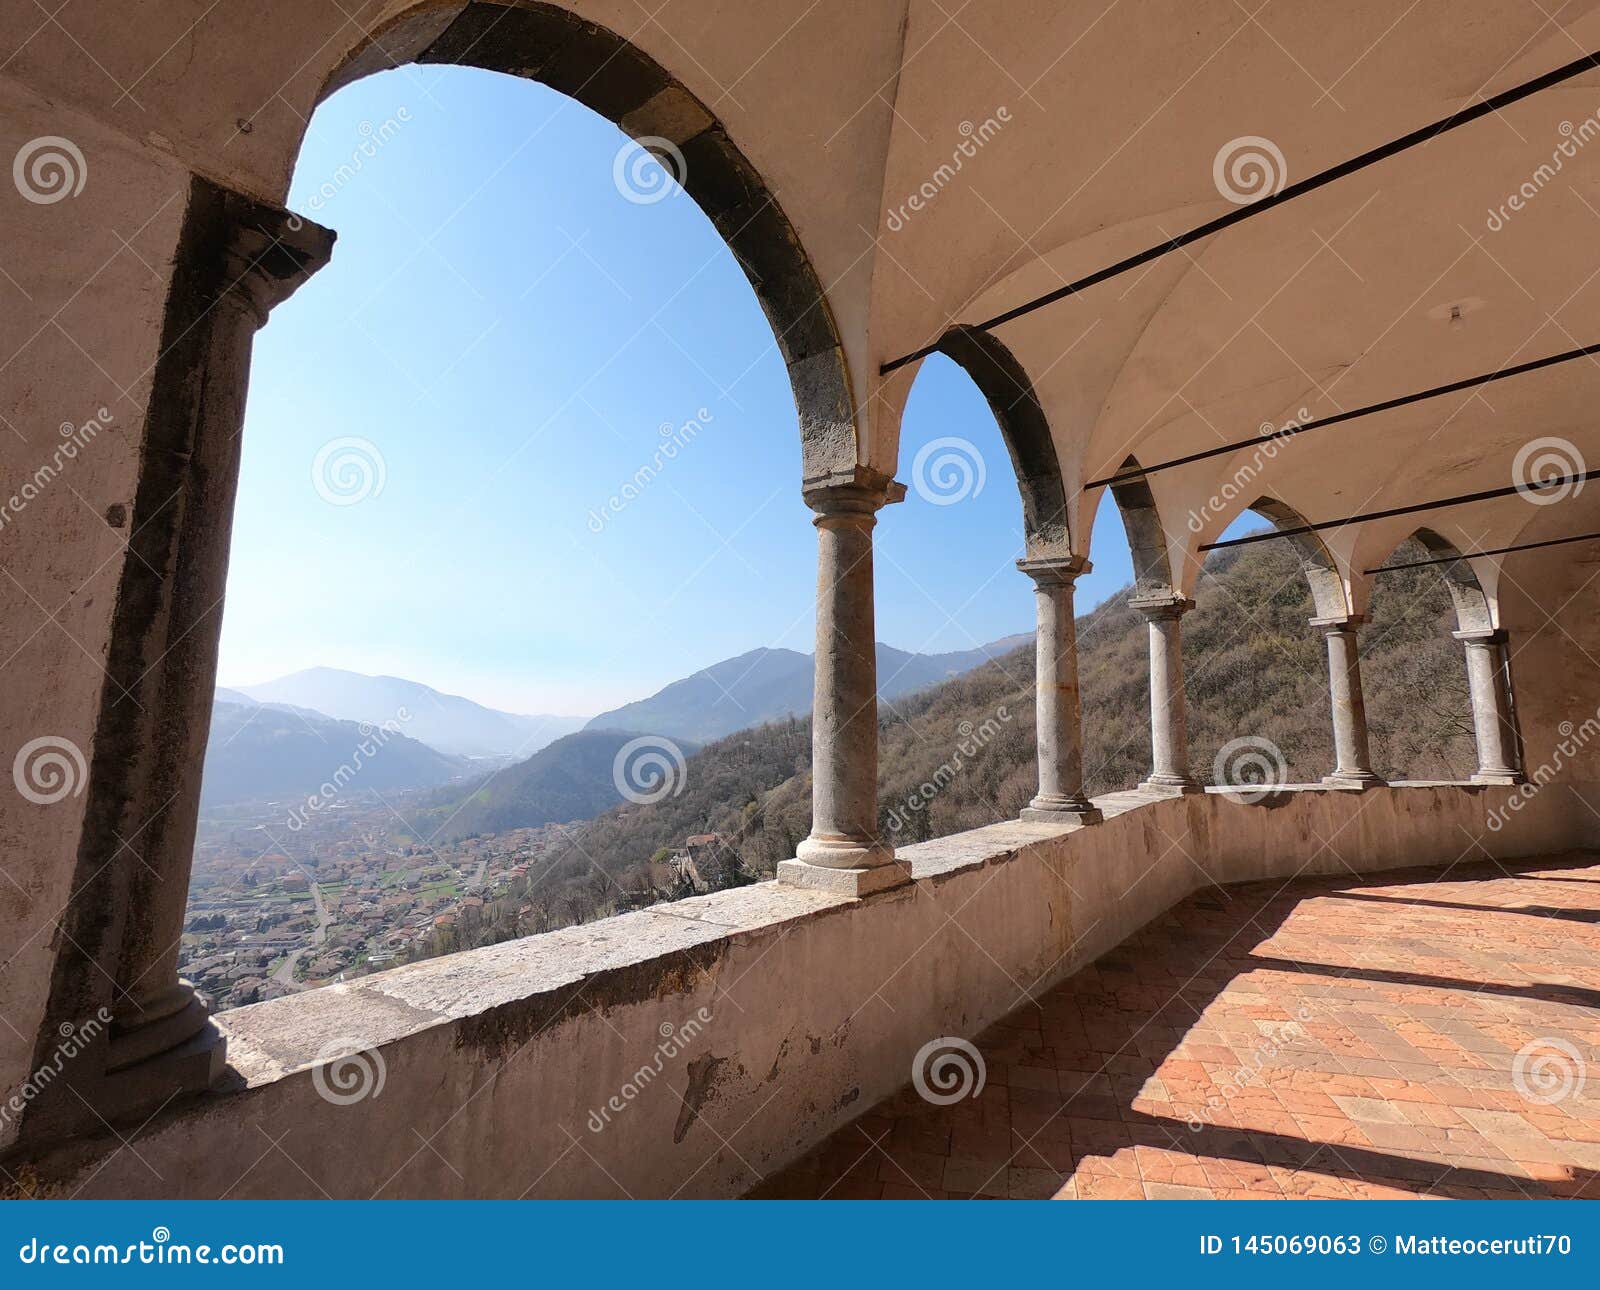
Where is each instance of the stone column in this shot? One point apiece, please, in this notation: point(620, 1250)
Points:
point(845, 852)
point(1059, 727)
point(120, 934)
point(1487, 678)
point(1353, 768)
point(1169, 723)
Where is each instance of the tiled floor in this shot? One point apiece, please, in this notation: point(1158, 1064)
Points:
point(1413, 1033)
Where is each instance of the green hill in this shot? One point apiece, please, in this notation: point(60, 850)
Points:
point(266, 752)
point(571, 779)
point(963, 750)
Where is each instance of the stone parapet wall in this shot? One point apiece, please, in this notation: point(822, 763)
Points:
point(691, 1048)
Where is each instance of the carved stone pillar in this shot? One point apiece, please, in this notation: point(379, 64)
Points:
point(1169, 722)
point(1353, 768)
point(1059, 724)
point(845, 851)
point(1488, 679)
point(119, 936)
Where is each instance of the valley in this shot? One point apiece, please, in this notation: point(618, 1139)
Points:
point(357, 873)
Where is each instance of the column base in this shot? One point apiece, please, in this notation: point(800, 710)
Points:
point(1170, 786)
point(159, 1025)
point(1354, 782)
point(1061, 810)
point(1508, 777)
point(169, 1046)
point(192, 1067)
point(840, 851)
point(844, 865)
point(843, 882)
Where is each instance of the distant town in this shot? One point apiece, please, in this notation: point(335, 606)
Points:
point(355, 890)
point(273, 912)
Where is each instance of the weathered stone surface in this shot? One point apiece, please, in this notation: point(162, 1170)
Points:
point(1339, 1042)
point(500, 1056)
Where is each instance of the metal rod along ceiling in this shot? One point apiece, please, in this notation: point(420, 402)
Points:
point(1473, 555)
point(1290, 431)
point(1371, 157)
point(1536, 486)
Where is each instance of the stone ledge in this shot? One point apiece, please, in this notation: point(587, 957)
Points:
point(267, 1041)
point(789, 1010)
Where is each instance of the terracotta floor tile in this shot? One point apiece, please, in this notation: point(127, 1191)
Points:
point(1276, 1041)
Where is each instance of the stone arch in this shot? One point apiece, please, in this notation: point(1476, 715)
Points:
point(616, 79)
point(1005, 386)
point(1473, 612)
point(1327, 585)
point(1147, 538)
point(236, 258)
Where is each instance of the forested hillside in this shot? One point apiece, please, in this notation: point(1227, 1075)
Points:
point(961, 754)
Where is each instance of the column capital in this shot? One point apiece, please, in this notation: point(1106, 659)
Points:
point(856, 490)
point(1340, 622)
point(1483, 636)
point(1055, 570)
point(268, 252)
point(1159, 608)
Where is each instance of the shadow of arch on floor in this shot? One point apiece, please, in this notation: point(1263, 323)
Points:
point(1087, 1091)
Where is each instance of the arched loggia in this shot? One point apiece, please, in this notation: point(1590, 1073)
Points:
point(1153, 574)
point(236, 258)
point(1322, 574)
point(1025, 429)
point(1339, 625)
point(616, 79)
point(1438, 728)
point(1473, 612)
point(1156, 596)
point(1049, 559)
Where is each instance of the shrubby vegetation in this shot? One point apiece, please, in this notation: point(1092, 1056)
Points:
point(1253, 667)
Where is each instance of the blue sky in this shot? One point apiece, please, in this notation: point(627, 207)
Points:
point(492, 354)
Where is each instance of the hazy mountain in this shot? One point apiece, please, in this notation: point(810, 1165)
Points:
point(264, 751)
point(902, 673)
point(575, 778)
point(1254, 669)
point(772, 684)
point(446, 722)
